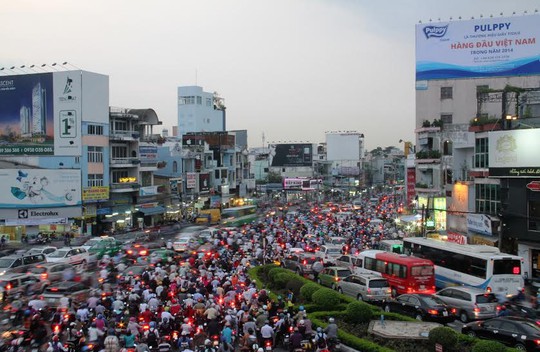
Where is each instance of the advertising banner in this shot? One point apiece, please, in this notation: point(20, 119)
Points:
point(40, 213)
point(175, 185)
point(293, 183)
point(40, 114)
point(148, 191)
point(479, 223)
point(514, 153)
point(489, 47)
point(411, 184)
point(204, 182)
point(95, 193)
point(292, 155)
point(30, 222)
point(191, 180)
point(34, 188)
point(148, 152)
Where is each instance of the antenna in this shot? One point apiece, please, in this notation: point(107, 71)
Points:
point(196, 74)
point(263, 139)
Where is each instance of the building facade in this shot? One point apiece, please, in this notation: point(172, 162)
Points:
point(199, 111)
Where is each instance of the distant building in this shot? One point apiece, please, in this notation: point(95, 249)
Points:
point(25, 121)
point(199, 111)
point(39, 110)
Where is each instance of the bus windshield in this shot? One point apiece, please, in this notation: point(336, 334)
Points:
point(423, 270)
point(507, 266)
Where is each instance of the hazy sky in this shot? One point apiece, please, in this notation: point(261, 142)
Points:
point(291, 69)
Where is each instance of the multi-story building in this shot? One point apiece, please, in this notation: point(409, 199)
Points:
point(472, 79)
point(199, 111)
point(54, 169)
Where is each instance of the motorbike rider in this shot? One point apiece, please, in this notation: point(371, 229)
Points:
point(295, 341)
point(331, 332)
point(267, 334)
point(321, 339)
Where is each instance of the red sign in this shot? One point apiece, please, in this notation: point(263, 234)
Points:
point(411, 184)
point(534, 186)
point(456, 238)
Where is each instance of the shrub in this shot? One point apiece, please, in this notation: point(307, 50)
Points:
point(358, 312)
point(262, 271)
point(445, 336)
point(308, 290)
point(325, 297)
point(281, 279)
point(273, 272)
point(488, 346)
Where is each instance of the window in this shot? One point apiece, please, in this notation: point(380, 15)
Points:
point(481, 153)
point(95, 130)
point(117, 175)
point(446, 93)
point(120, 126)
point(189, 100)
point(534, 215)
point(199, 100)
point(95, 154)
point(119, 152)
point(95, 180)
point(209, 102)
point(446, 119)
point(487, 198)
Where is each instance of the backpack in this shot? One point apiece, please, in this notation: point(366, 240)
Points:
point(151, 339)
point(321, 341)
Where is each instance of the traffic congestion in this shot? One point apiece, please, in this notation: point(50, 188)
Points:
point(190, 290)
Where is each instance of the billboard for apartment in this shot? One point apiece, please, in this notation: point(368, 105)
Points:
point(38, 188)
point(40, 114)
point(292, 155)
point(489, 47)
point(514, 153)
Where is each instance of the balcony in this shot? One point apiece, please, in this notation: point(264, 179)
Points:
point(121, 113)
point(125, 187)
point(124, 135)
point(124, 162)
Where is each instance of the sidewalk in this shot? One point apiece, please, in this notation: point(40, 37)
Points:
point(401, 329)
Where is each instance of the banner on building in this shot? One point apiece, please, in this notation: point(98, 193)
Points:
point(95, 193)
point(204, 182)
point(191, 180)
point(148, 191)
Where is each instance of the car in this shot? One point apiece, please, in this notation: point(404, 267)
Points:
point(136, 250)
point(423, 307)
point(328, 253)
point(337, 241)
point(162, 254)
point(19, 284)
point(370, 288)
point(301, 263)
point(70, 255)
point(51, 272)
point(330, 276)
point(521, 333)
point(349, 261)
point(191, 230)
point(41, 250)
point(19, 263)
point(470, 303)
point(77, 291)
point(101, 246)
point(184, 243)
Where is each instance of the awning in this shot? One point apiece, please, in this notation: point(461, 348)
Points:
point(410, 218)
point(152, 210)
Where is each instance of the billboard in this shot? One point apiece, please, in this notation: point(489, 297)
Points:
point(95, 193)
point(148, 152)
point(41, 114)
point(489, 47)
point(35, 188)
point(292, 155)
point(191, 180)
point(204, 182)
point(514, 153)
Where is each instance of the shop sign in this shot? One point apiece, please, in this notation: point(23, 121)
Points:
point(96, 193)
point(191, 180)
point(456, 238)
point(479, 223)
point(148, 191)
point(104, 211)
point(90, 210)
point(32, 222)
point(534, 186)
point(41, 213)
point(127, 179)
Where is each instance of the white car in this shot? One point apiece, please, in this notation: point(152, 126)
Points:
point(328, 254)
point(184, 243)
point(41, 250)
point(74, 256)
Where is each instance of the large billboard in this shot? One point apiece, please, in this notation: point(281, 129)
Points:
point(38, 188)
point(40, 114)
point(514, 153)
point(292, 155)
point(489, 47)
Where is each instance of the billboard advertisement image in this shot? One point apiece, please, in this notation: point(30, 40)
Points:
point(38, 188)
point(514, 153)
point(489, 47)
point(292, 155)
point(40, 114)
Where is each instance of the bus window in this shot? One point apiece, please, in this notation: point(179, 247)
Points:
point(423, 270)
point(506, 266)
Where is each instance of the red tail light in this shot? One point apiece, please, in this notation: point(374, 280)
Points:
point(476, 309)
point(433, 311)
point(337, 278)
point(143, 252)
point(44, 276)
point(488, 289)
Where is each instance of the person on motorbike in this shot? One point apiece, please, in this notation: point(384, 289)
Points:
point(248, 340)
point(152, 336)
point(295, 341)
point(267, 334)
point(128, 339)
point(227, 334)
point(208, 346)
point(331, 332)
point(200, 337)
point(185, 342)
point(55, 345)
point(111, 343)
point(321, 339)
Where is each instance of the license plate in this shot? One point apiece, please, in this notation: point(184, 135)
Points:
point(422, 287)
point(445, 313)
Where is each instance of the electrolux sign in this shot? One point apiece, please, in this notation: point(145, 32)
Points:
point(478, 48)
point(292, 155)
point(40, 114)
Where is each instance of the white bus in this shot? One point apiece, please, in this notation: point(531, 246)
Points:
point(479, 266)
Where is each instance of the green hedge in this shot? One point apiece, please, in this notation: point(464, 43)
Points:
point(307, 290)
point(326, 297)
point(488, 346)
point(445, 336)
point(359, 313)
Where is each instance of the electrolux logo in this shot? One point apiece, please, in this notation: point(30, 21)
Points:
point(35, 213)
point(435, 31)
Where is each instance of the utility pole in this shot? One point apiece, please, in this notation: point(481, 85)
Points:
point(423, 228)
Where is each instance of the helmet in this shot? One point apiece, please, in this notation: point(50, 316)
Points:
point(260, 349)
point(152, 324)
point(207, 342)
point(302, 322)
point(319, 329)
point(331, 320)
point(301, 308)
point(55, 338)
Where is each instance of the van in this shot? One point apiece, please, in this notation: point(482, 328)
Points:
point(19, 263)
point(470, 303)
point(370, 288)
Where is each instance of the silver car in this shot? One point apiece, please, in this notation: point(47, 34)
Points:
point(371, 288)
point(470, 303)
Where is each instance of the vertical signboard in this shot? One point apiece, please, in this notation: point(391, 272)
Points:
point(204, 182)
point(411, 184)
point(191, 180)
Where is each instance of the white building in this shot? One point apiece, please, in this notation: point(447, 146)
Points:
point(200, 111)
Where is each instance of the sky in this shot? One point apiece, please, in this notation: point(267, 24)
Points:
point(288, 69)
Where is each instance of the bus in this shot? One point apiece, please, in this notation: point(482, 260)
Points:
point(479, 266)
point(238, 216)
point(392, 246)
point(405, 274)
